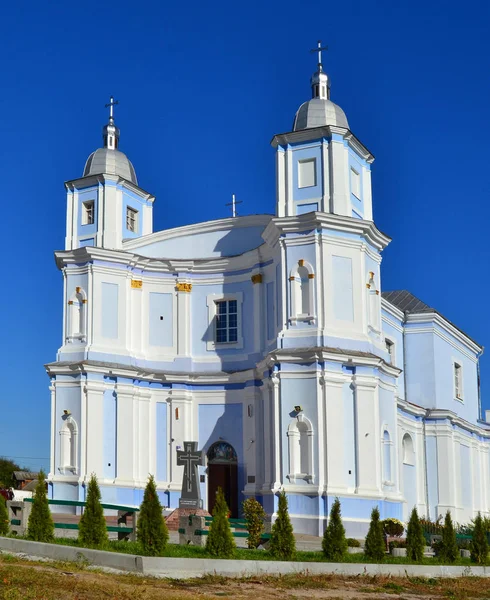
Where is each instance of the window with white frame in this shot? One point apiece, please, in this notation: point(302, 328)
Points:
point(355, 183)
point(131, 219)
point(226, 330)
point(458, 381)
point(390, 348)
point(225, 321)
point(307, 173)
point(88, 216)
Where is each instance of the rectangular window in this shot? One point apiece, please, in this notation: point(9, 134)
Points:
point(307, 173)
point(88, 212)
point(131, 219)
point(226, 321)
point(355, 183)
point(458, 382)
point(390, 348)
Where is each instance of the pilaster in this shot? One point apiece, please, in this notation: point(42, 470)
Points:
point(445, 469)
point(184, 291)
point(93, 429)
point(334, 470)
point(126, 434)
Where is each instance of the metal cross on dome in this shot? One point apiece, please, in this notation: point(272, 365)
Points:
point(233, 204)
point(319, 48)
point(111, 106)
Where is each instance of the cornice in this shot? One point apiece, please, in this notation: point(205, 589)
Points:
point(315, 133)
point(198, 228)
point(223, 264)
point(311, 221)
point(84, 182)
point(392, 310)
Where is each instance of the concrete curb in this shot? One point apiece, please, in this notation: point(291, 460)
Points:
point(183, 568)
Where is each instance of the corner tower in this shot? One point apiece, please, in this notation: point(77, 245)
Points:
point(106, 205)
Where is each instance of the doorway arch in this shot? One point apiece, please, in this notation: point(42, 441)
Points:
point(223, 473)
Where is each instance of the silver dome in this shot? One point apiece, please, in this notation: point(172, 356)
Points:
point(112, 162)
point(318, 112)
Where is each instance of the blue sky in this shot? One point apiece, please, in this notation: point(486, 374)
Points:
point(203, 87)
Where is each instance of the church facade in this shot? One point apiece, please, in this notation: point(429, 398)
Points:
point(265, 338)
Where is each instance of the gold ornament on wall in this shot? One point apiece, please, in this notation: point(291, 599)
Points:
point(136, 284)
point(184, 287)
point(257, 278)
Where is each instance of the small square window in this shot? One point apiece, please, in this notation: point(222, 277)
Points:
point(355, 183)
point(307, 173)
point(131, 219)
point(88, 215)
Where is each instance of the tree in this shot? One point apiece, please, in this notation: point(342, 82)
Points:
point(334, 544)
point(4, 517)
point(479, 542)
point(255, 514)
point(92, 529)
point(282, 543)
point(220, 542)
point(7, 468)
point(375, 546)
point(152, 529)
point(40, 526)
point(449, 551)
point(415, 538)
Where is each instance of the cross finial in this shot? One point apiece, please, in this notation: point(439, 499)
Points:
point(233, 204)
point(319, 49)
point(110, 106)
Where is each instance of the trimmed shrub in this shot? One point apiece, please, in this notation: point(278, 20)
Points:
point(220, 540)
point(152, 529)
point(92, 529)
point(375, 546)
point(282, 544)
point(4, 517)
point(448, 550)
point(40, 526)
point(255, 515)
point(392, 527)
point(334, 544)
point(353, 543)
point(415, 538)
point(479, 543)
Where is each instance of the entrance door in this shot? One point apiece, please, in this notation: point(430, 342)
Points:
point(223, 473)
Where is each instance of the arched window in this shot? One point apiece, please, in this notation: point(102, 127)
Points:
point(68, 446)
point(77, 317)
point(302, 296)
point(300, 441)
point(408, 450)
point(387, 476)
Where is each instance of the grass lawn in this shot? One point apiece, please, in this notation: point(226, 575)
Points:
point(23, 580)
point(177, 551)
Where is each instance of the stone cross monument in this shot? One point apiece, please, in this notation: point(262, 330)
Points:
point(190, 458)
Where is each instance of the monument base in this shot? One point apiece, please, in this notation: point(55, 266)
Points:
point(174, 518)
point(190, 503)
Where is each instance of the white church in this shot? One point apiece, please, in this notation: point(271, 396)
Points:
point(268, 340)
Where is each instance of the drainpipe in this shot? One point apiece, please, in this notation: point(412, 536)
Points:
point(424, 418)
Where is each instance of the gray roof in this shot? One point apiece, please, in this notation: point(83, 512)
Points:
point(410, 304)
point(25, 475)
point(407, 302)
point(112, 162)
point(318, 112)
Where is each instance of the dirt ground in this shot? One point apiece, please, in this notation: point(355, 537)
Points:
point(21, 580)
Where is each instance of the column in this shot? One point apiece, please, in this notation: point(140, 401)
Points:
point(276, 434)
point(260, 325)
point(267, 439)
point(183, 287)
point(333, 423)
point(145, 435)
point(250, 444)
point(340, 179)
point(320, 445)
point(368, 443)
point(125, 467)
point(52, 458)
point(326, 204)
point(93, 429)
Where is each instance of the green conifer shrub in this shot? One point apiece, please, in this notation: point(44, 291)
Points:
point(4, 517)
point(479, 543)
point(152, 529)
point(255, 514)
point(374, 545)
point(40, 526)
point(448, 547)
point(334, 544)
point(220, 542)
point(92, 529)
point(282, 543)
point(415, 538)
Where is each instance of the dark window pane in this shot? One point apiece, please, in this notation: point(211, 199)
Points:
point(233, 335)
point(232, 306)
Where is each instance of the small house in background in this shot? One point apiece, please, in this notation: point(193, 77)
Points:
point(23, 478)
